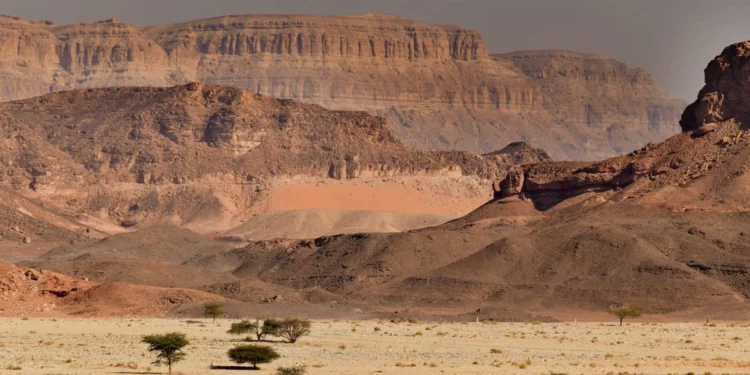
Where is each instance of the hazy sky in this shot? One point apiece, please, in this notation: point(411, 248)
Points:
point(672, 39)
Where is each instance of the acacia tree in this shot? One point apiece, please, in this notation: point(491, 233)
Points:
point(168, 347)
point(213, 310)
point(253, 354)
point(293, 328)
point(269, 327)
point(626, 312)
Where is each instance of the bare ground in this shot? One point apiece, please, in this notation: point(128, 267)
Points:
point(112, 346)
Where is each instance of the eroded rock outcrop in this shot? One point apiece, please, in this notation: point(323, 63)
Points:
point(726, 91)
point(713, 135)
point(436, 85)
point(28, 291)
point(136, 155)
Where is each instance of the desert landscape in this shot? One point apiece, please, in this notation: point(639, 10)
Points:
point(95, 346)
point(375, 194)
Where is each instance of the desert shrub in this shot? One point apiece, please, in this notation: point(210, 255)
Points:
point(401, 364)
point(269, 327)
point(213, 310)
point(626, 312)
point(131, 365)
point(168, 347)
point(252, 354)
point(293, 328)
point(294, 370)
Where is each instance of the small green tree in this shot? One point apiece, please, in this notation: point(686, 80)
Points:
point(168, 347)
point(293, 328)
point(269, 327)
point(242, 328)
point(253, 354)
point(213, 310)
point(626, 312)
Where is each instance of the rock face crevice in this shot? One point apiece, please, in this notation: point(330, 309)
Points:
point(437, 86)
point(315, 36)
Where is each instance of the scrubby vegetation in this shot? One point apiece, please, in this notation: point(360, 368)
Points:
point(293, 370)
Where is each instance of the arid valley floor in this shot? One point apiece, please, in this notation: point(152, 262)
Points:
point(433, 207)
point(112, 346)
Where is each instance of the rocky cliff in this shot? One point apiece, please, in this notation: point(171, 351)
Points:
point(436, 85)
point(662, 228)
point(709, 156)
point(134, 156)
point(726, 90)
point(605, 100)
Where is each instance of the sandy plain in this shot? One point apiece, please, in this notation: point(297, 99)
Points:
point(112, 346)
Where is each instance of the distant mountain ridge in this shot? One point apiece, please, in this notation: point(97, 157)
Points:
point(437, 86)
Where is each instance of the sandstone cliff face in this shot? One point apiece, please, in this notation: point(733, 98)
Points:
point(603, 99)
point(109, 53)
point(426, 80)
point(28, 59)
point(350, 62)
point(436, 85)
